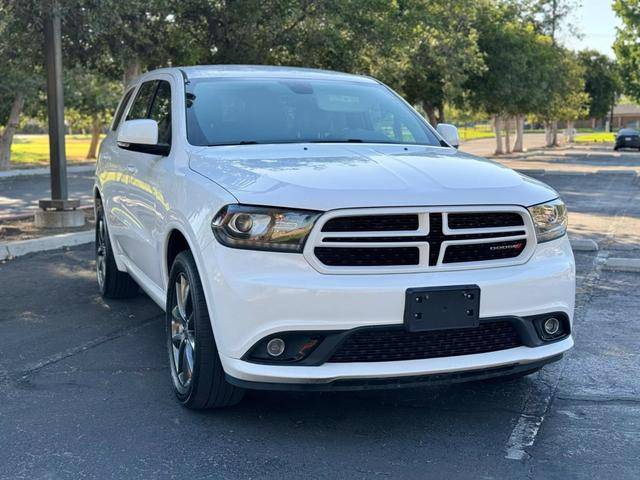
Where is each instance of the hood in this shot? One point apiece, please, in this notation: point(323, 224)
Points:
point(330, 176)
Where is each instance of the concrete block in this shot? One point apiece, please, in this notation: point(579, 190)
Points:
point(59, 218)
point(617, 172)
point(583, 245)
point(53, 242)
point(622, 264)
point(45, 171)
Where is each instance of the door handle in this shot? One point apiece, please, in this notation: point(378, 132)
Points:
point(132, 169)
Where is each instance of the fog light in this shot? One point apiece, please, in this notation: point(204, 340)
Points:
point(551, 326)
point(275, 347)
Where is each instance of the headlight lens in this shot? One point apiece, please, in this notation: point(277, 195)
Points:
point(550, 220)
point(263, 228)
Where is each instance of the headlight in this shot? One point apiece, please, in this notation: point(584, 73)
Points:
point(550, 220)
point(263, 228)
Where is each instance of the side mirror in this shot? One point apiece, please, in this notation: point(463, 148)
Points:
point(141, 136)
point(449, 133)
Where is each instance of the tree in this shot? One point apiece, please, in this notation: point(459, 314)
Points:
point(627, 45)
point(602, 82)
point(443, 52)
point(91, 95)
point(120, 39)
point(550, 16)
point(564, 95)
point(21, 59)
point(514, 81)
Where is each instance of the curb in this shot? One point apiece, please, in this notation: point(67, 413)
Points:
point(622, 264)
point(22, 247)
point(583, 245)
point(531, 171)
point(23, 216)
point(25, 172)
point(542, 171)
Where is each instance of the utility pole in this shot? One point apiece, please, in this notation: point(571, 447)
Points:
point(59, 211)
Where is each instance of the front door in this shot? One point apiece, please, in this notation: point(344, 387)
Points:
point(138, 181)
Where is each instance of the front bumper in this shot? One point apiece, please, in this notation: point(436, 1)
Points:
point(254, 294)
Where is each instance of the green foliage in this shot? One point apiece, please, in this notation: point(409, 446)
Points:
point(89, 93)
point(496, 57)
point(627, 45)
point(20, 52)
point(442, 52)
point(602, 82)
point(517, 64)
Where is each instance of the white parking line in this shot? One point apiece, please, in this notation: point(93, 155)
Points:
point(536, 406)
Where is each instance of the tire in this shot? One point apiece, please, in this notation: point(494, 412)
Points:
point(196, 371)
point(112, 283)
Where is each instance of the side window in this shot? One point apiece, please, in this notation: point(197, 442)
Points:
point(161, 112)
point(141, 104)
point(123, 104)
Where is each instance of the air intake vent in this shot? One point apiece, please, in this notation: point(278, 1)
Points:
point(372, 223)
point(484, 220)
point(483, 251)
point(376, 345)
point(367, 257)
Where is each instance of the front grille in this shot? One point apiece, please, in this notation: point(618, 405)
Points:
point(372, 223)
point(377, 345)
point(476, 252)
point(422, 239)
point(484, 220)
point(367, 257)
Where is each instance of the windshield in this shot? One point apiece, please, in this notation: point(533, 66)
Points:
point(223, 111)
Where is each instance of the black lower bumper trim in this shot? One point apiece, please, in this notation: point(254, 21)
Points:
point(398, 382)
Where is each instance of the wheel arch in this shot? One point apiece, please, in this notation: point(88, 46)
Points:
point(176, 243)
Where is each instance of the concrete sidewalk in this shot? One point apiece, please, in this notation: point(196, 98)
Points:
point(485, 147)
point(19, 195)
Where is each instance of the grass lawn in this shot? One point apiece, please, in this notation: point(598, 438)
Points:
point(28, 150)
point(595, 137)
point(473, 133)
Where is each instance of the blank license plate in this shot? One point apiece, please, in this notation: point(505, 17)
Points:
point(439, 308)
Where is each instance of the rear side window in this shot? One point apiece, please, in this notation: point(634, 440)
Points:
point(160, 111)
point(140, 107)
point(123, 104)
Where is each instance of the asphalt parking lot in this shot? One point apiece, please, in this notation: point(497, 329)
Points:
point(85, 390)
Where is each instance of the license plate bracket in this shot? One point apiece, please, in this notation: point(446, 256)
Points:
point(441, 308)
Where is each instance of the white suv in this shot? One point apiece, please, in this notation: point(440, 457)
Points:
point(308, 230)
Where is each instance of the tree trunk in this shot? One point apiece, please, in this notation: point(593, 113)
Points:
point(441, 114)
point(431, 115)
point(519, 145)
point(497, 120)
point(9, 130)
point(551, 132)
point(507, 134)
point(570, 136)
point(131, 71)
point(554, 133)
point(96, 129)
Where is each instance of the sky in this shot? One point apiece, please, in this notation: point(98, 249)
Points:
point(597, 23)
